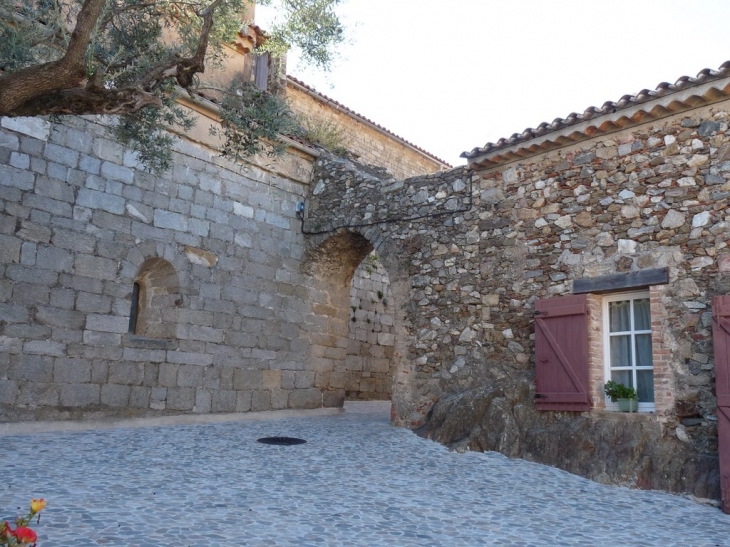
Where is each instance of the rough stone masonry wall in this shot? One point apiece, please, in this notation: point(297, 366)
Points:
point(655, 196)
point(79, 223)
point(370, 348)
point(365, 143)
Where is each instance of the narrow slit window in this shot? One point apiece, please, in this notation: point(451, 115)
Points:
point(134, 311)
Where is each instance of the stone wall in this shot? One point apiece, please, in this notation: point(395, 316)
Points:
point(215, 247)
point(368, 145)
point(476, 251)
point(370, 349)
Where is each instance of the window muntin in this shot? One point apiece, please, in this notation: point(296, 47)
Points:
point(627, 345)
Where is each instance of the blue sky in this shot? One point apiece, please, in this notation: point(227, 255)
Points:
point(452, 75)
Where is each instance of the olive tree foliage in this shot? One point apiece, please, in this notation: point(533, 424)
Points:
point(132, 58)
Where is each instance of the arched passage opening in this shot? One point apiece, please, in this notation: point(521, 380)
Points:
point(330, 267)
point(368, 367)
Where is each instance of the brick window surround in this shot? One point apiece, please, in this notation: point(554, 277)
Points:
point(663, 391)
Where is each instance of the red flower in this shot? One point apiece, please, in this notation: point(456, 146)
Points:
point(23, 534)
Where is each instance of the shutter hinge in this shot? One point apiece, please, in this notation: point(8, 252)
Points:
point(540, 396)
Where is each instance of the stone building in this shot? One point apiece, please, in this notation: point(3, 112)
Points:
point(589, 249)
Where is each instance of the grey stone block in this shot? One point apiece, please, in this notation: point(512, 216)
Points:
point(247, 379)
point(108, 150)
point(181, 398)
point(100, 371)
point(89, 164)
point(96, 267)
point(93, 303)
point(52, 258)
point(140, 398)
point(9, 249)
point(44, 347)
point(61, 154)
point(8, 391)
point(94, 199)
point(279, 399)
point(243, 401)
point(70, 371)
point(202, 401)
point(33, 232)
point(224, 401)
point(36, 276)
point(333, 399)
point(151, 374)
point(146, 355)
point(32, 368)
point(190, 376)
point(80, 394)
point(107, 323)
point(173, 221)
point(20, 160)
point(168, 374)
point(189, 358)
point(17, 178)
point(305, 398)
point(52, 206)
point(13, 313)
point(261, 401)
point(24, 330)
point(55, 189)
point(73, 241)
point(115, 395)
point(117, 172)
point(94, 338)
point(38, 394)
point(131, 374)
point(56, 317)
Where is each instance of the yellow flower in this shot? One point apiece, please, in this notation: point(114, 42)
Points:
point(36, 506)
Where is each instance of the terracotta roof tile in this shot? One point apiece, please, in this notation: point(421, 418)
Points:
point(609, 107)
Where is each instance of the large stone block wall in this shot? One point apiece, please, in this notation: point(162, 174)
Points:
point(477, 249)
point(226, 318)
point(368, 364)
point(368, 145)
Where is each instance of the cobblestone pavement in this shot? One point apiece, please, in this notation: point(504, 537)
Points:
point(357, 482)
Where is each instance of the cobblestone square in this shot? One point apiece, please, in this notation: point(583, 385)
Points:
point(356, 482)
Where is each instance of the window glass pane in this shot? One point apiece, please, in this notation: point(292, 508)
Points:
point(621, 351)
point(619, 317)
point(642, 317)
point(645, 379)
point(621, 377)
point(643, 350)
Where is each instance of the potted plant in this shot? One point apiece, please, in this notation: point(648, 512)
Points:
point(627, 398)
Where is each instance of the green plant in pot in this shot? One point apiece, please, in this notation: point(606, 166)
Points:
point(626, 397)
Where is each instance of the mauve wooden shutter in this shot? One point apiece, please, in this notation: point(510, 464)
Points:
point(261, 75)
point(721, 342)
point(561, 353)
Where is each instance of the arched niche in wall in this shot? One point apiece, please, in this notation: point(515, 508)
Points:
point(155, 299)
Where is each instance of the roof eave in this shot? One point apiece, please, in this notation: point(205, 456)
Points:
point(668, 105)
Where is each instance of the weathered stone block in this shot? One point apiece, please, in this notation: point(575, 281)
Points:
point(261, 401)
point(9, 390)
point(115, 395)
point(190, 376)
point(71, 371)
point(247, 379)
point(126, 373)
point(139, 397)
point(305, 398)
point(80, 394)
point(38, 394)
point(203, 399)
point(96, 267)
point(180, 398)
point(224, 401)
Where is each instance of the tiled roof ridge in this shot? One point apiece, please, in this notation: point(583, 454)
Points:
point(369, 121)
point(609, 107)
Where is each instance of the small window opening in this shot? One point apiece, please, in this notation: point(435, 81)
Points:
point(134, 311)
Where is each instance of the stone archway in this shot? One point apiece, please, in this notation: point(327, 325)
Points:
point(369, 360)
point(331, 265)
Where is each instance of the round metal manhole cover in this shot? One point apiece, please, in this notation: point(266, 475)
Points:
point(281, 441)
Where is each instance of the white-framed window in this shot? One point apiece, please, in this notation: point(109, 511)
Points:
point(627, 345)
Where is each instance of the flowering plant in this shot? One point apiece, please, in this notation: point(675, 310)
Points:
point(21, 534)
